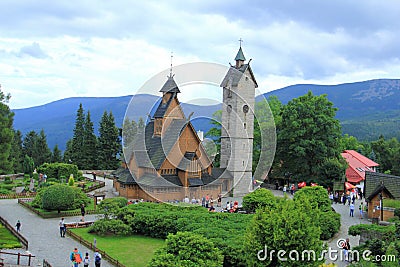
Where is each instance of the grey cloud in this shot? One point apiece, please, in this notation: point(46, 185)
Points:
point(33, 50)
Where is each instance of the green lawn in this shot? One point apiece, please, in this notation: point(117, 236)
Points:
point(129, 250)
point(7, 239)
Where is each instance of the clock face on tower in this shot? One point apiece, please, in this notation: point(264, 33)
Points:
point(245, 108)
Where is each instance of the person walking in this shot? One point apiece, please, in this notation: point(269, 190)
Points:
point(86, 260)
point(76, 257)
point(62, 227)
point(83, 212)
point(97, 258)
point(346, 249)
point(18, 225)
point(351, 209)
point(360, 208)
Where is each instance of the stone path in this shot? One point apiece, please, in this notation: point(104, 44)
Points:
point(346, 222)
point(43, 234)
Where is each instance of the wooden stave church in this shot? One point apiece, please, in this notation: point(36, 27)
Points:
point(167, 161)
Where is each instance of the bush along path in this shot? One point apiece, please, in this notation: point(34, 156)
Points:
point(43, 234)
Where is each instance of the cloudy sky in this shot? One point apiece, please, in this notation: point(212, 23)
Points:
point(56, 49)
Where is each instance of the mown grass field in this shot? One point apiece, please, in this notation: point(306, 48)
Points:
point(7, 239)
point(129, 250)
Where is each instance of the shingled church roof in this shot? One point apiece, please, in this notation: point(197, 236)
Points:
point(170, 86)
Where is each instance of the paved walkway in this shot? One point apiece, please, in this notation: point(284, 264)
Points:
point(46, 243)
point(43, 234)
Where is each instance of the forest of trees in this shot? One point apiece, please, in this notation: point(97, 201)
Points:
point(20, 153)
point(308, 137)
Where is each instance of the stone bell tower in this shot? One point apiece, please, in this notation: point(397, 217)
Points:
point(237, 124)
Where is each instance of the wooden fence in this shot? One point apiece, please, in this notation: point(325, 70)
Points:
point(17, 195)
point(52, 215)
point(21, 239)
point(18, 256)
point(92, 247)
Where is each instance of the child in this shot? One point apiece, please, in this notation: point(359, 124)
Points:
point(86, 260)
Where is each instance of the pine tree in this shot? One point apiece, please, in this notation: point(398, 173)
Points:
point(78, 138)
point(29, 146)
point(141, 124)
point(67, 156)
point(43, 151)
point(129, 131)
point(56, 155)
point(6, 134)
point(109, 145)
point(89, 148)
point(16, 154)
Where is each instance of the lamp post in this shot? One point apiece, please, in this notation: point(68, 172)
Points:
point(381, 205)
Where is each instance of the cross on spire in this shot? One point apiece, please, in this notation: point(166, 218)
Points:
point(240, 42)
point(170, 69)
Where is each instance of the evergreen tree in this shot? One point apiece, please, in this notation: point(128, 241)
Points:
point(17, 155)
point(43, 151)
point(56, 155)
point(141, 124)
point(67, 156)
point(28, 165)
point(109, 145)
point(6, 134)
point(78, 138)
point(29, 146)
point(308, 140)
point(129, 131)
point(89, 148)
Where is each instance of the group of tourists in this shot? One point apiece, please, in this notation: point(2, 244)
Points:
point(76, 258)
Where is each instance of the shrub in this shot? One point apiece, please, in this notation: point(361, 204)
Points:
point(258, 199)
point(116, 227)
point(35, 176)
point(317, 196)
point(57, 170)
point(397, 212)
point(158, 220)
point(60, 197)
point(187, 249)
point(71, 180)
point(329, 222)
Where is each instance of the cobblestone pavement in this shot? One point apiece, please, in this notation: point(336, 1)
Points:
point(346, 222)
point(43, 234)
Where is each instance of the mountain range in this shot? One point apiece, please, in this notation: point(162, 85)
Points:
point(366, 110)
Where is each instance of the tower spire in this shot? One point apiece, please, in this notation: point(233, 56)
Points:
point(170, 69)
point(240, 56)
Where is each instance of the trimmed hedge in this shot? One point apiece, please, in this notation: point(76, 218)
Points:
point(59, 170)
point(158, 220)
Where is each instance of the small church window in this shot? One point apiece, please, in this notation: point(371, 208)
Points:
point(229, 108)
point(245, 108)
point(244, 125)
point(243, 163)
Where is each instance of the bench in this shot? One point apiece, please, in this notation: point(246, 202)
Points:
point(79, 224)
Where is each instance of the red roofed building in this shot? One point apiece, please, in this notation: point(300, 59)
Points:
point(358, 165)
